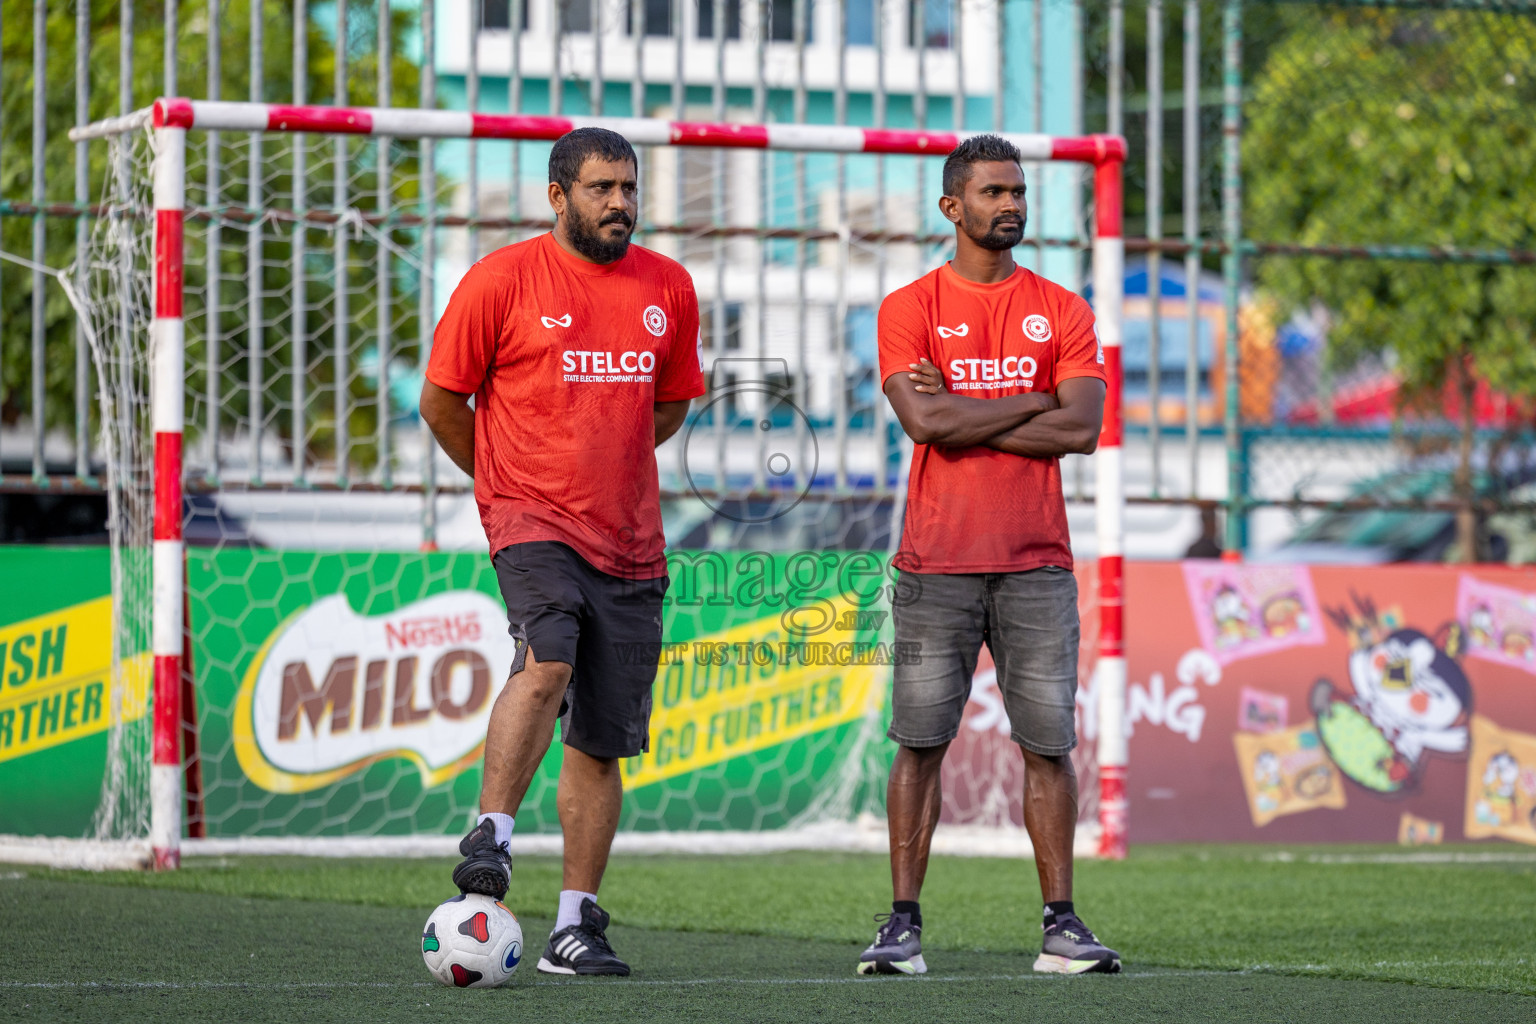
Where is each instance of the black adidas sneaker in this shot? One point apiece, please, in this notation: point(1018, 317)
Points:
point(582, 948)
point(486, 867)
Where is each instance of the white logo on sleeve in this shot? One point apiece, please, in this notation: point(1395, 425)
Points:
point(1037, 328)
point(954, 332)
point(550, 321)
point(1100, 342)
point(655, 320)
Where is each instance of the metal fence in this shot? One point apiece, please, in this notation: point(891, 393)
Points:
point(1328, 211)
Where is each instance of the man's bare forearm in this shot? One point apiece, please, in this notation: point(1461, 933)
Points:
point(453, 424)
point(670, 417)
point(959, 421)
point(1049, 435)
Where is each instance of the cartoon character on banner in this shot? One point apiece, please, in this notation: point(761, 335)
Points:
point(1480, 626)
point(1410, 697)
point(1501, 783)
point(1286, 772)
point(1233, 617)
point(1497, 806)
point(1268, 783)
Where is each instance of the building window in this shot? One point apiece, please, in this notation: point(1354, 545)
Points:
point(732, 19)
point(496, 14)
point(732, 327)
point(781, 20)
point(863, 359)
point(861, 22)
point(575, 15)
point(938, 25)
point(658, 17)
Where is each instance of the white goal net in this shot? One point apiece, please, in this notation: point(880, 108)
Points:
point(324, 596)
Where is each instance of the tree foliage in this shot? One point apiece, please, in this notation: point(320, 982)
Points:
point(1403, 128)
point(148, 80)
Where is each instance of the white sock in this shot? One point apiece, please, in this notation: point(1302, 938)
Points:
point(570, 907)
point(503, 823)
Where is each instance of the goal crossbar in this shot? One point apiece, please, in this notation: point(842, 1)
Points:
point(171, 118)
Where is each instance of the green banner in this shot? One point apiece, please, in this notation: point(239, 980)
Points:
point(55, 664)
point(348, 694)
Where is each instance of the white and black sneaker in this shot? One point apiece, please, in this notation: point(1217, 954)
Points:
point(582, 948)
point(486, 867)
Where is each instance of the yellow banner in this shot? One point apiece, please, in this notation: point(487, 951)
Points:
point(56, 679)
point(749, 687)
point(1501, 783)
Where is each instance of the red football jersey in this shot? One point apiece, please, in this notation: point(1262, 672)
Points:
point(566, 360)
point(978, 509)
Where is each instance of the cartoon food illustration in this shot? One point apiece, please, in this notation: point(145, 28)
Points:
point(1283, 615)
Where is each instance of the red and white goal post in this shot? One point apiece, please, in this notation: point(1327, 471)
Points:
point(169, 120)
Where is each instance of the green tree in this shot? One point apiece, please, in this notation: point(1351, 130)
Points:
point(234, 20)
point(1405, 128)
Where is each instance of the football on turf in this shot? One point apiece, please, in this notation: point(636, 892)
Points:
point(472, 941)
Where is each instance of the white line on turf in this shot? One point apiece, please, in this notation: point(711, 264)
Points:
point(925, 979)
point(656, 982)
point(1425, 857)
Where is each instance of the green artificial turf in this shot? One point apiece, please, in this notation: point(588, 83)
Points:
point(1207, 933)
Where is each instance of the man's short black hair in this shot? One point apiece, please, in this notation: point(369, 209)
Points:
point(576, 147)
point(976, 150)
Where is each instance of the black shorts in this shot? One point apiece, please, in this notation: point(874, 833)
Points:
point(606, 628)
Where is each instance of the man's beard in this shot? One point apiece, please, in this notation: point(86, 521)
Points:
point(998, 234)
point(589, 239)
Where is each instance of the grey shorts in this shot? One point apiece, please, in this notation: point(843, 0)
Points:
point(1029, 622)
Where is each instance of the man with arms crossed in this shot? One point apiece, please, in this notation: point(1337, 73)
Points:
point(580, 350)
point(985, 556)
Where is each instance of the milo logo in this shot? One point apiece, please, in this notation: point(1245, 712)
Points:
point(331, 691)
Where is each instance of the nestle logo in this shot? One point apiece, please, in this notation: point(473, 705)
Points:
point(433, 631)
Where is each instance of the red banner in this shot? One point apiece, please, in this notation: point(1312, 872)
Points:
point(1279, 703)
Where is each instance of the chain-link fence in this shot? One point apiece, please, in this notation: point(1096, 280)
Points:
point(1334, 316)
point(1329, 218)
point(1391, 213)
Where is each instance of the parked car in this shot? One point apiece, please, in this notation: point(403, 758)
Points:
point(1406, 534)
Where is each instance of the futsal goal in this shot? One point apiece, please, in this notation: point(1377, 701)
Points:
point(305, 624)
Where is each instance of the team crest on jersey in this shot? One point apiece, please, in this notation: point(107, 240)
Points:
point(954, 332)
point(1037, 328)
point(655, 320)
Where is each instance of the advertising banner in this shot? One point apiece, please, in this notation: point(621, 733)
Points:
point(348, 694)
point(55, 695)
point(1292, 704)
